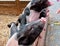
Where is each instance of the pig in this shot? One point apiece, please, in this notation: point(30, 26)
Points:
point(33, 10)
point(28, 34)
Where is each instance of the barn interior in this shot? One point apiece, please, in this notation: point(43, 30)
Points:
point(9, 12)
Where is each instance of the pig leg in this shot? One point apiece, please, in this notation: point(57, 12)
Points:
point(13, 29)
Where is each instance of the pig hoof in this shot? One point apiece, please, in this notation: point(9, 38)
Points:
point(9, 25)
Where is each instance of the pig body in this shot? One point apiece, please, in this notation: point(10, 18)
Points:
point(30, 32)
point(35, 30)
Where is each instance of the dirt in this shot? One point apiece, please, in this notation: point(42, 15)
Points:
point(4, 30)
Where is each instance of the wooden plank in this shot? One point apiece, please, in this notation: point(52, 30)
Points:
point(12, 7)
point(7, 2)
